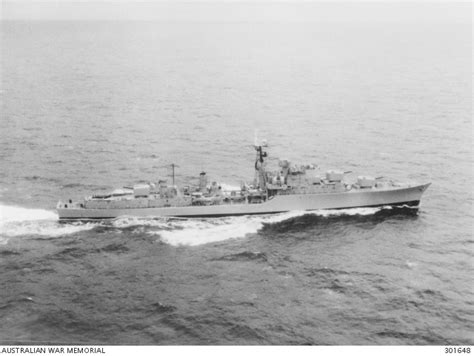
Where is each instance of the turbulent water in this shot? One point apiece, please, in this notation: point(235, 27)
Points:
point(90, 106)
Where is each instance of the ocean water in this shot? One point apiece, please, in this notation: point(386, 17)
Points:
point(90, 106)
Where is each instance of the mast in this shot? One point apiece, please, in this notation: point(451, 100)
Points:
point(173, 166)
point(259, 164)
point(172, 169)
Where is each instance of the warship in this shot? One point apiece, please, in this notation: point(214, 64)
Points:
point(290, 187)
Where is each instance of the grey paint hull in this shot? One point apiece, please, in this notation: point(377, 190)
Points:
point(280, 203)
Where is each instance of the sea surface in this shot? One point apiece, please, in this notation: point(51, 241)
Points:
point(88, 106)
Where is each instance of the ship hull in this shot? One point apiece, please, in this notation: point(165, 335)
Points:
point(355, 198)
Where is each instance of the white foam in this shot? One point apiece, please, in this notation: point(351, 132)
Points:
point(198, 232)
point(349, 212)
point(18, 221)
point(43, 228)
point(130, 221)
point(15, 213)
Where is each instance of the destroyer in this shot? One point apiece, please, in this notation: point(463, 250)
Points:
point(289, 188)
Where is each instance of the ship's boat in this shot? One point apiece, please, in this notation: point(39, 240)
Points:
point(291, 187)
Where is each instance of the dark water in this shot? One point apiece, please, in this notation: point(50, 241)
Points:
point(89, 106)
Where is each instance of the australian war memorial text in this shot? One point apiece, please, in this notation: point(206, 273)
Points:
point(18, 350)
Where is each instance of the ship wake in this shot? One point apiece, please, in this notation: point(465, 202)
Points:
point(38, 223)
point(19, 221)
point(194, 232)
